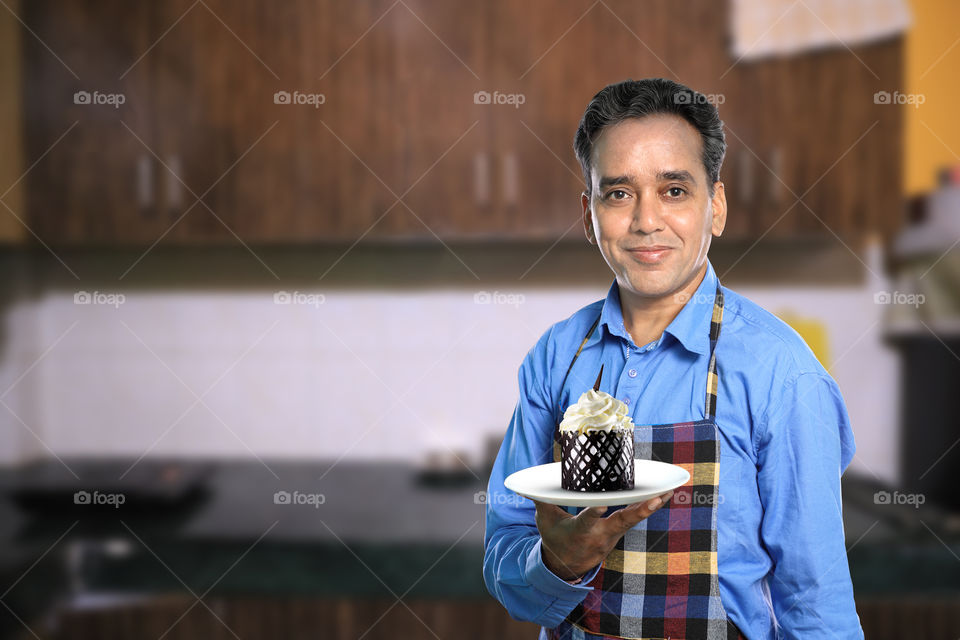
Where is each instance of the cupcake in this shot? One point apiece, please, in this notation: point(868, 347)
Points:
point(596, 443)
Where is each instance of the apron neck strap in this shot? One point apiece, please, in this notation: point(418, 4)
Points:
point(710, 410)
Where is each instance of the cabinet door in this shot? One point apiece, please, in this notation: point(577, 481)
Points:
point(214, 76)
point(274, 113)
point(92, 180)
point(819, 158)
point(404, 103)
point(846, 145)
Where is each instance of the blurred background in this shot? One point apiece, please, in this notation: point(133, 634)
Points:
point(269, 270)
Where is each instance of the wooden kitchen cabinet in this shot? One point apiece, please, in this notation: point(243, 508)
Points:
point(807, 128)
point(91, 180)
point(203, 120)
point(216, 119)
point(399, 120)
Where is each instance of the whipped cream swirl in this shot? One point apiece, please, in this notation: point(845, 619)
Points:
point(596, 411)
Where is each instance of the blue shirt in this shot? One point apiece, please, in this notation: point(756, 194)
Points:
point(785, 440)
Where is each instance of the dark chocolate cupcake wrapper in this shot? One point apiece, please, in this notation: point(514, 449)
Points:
point(596, 460)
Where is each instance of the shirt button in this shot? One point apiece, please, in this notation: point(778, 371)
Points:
point(626, 401)
point(632, 373)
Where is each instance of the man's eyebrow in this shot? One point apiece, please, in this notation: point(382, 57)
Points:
point(607, 181)
point(680, 175)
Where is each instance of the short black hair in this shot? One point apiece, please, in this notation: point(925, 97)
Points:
point(638, 98)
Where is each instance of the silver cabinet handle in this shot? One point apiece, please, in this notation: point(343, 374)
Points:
point(481, 178)
point(776, 177)
point(174, 186)
point(511, 178)
point(144, 182)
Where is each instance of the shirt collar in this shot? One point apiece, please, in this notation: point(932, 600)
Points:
point(691, 327)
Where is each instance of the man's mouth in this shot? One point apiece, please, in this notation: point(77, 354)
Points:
point(649, 255)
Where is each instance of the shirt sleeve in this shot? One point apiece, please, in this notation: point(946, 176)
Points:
point(513, 568)
point(801, 454)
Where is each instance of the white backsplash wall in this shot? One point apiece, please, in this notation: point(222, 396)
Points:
point(360, 374)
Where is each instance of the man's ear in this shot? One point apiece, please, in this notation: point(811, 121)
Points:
point(587, 218)
point(719, 202)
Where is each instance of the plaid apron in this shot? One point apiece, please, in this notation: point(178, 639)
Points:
point(660, 581)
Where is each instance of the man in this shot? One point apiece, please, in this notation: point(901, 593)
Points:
point(753, 546)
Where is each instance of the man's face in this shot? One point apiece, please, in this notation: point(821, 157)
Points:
point(650, 189)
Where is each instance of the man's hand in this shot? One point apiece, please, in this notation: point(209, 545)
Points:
point(572, 545)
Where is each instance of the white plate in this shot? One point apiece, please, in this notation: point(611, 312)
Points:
point(542, 483)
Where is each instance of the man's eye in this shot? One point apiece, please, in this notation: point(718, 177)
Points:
point(675, 192)
point(616, 194)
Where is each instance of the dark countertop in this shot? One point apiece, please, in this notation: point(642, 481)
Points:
point(376, 531)
point(358, 502)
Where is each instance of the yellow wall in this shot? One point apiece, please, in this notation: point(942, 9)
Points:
point(932, 69)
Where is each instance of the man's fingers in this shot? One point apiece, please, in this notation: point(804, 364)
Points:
point(550, 512)
point(590, 514)
point(624, 518)
point(630, 515)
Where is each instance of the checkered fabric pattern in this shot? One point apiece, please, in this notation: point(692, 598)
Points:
point(660, 581)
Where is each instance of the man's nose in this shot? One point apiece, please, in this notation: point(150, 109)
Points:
point(646, 215)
